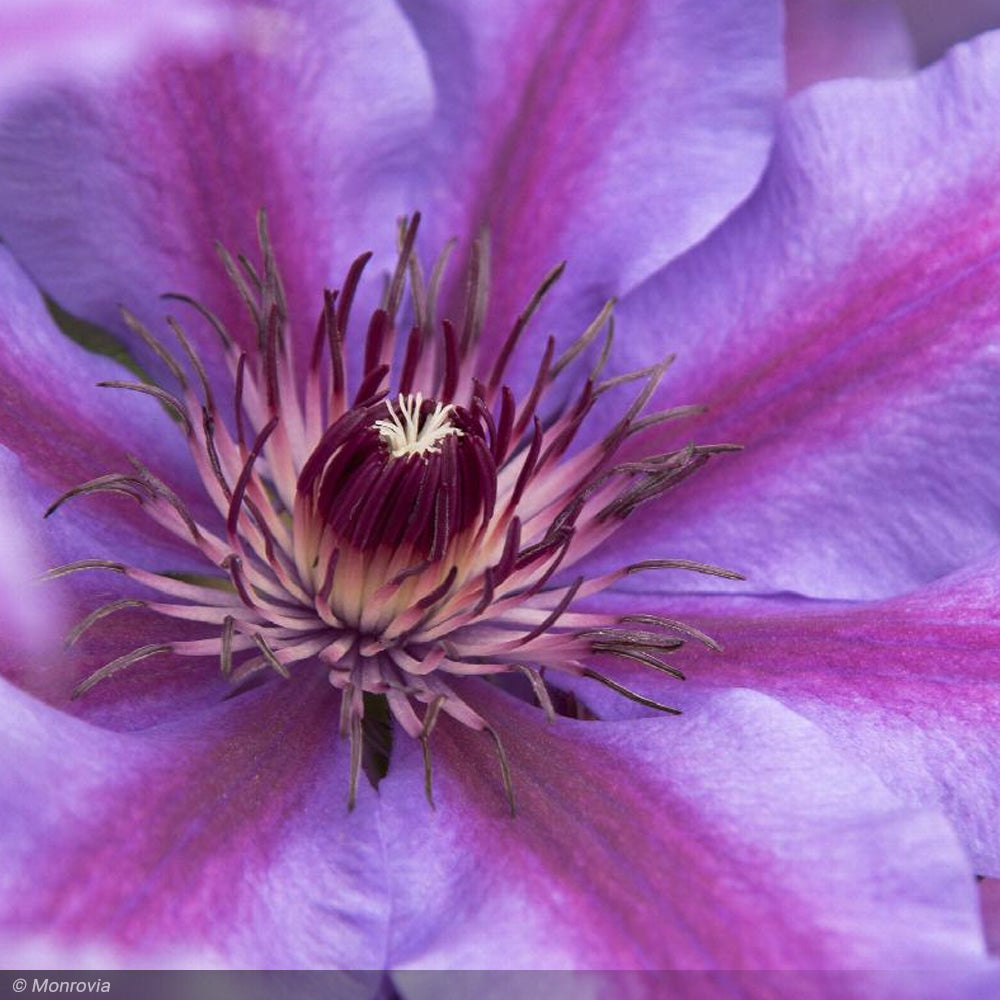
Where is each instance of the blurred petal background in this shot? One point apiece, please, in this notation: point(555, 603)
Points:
point(66, 39)
point(935, 25)
point(876, 38)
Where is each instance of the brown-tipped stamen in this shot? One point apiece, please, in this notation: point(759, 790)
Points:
point(394, 514)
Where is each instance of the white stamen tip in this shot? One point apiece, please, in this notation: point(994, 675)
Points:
point(405, 435)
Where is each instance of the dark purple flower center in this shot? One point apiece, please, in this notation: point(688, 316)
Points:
point(409, 474)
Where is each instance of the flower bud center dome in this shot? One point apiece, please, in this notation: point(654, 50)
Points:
point(408, 477)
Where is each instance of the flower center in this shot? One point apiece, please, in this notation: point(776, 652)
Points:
point(407, 479)
point(404, 540)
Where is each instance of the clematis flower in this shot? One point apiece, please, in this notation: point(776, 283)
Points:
point(382, 517)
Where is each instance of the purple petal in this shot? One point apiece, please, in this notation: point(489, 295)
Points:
point(41, 40)
point(843, 327)
point(26, 623)
point(614, 134)
point(224, 836)
point(826, 39)
point(910, 687)
point(64, 431)
point(163, 688)
point(118, 194)
point(734, 837)
point(35, 616)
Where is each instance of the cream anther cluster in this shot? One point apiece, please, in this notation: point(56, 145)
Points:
point(404, 433)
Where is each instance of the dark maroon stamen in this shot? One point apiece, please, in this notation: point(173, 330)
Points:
point(369, 497)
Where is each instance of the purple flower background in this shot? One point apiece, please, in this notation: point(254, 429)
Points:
point(826, 269)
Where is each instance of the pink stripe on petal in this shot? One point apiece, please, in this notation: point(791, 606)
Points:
point(224, 834)
point(843, 326)
point(611, 134)
point(118, 192)
point(52, 415)
point(37, 615)
point(735, 837)
point(58, 430)
point(910, 686)
point(152, 692)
